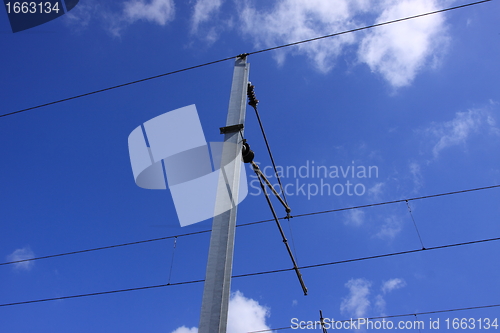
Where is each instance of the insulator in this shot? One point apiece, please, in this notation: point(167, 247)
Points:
point(252, 100)
point(247, 153)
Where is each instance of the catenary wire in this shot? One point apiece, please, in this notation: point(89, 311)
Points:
point(375, 256)
point(256, 273)
point(105, 247)
point(250, 53)
point(399, 315)
point(251, 223)
point(394, 201)
point(369, 27)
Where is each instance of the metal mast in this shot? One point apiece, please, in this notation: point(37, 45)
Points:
point(213, 318)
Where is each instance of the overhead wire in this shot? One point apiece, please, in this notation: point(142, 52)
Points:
point(115, 87)
point(300, 215)
point(103, 247)
point(250, 223)
point(256, 273)
point(396, 201)
point(369, 26)
point(250, 53)
point(398, 315)
point(376, 256)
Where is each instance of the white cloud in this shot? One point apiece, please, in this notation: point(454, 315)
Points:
point(244, 315)
point(376, 190)
point(184, 329)
point(392, 284)
point(156, 11)
point(203, 10)
point(416, 175)
point(356, 304)
point(390, 228)
point(80, 16)
point(387, 287)
point(458, 130)
point(294, 20)
point(22, 254)
point(380, 304)
point(397, 52)
point(354, 217)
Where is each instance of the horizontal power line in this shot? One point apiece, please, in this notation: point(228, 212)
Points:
point(250, 223)
point(103, 247)
point(250, 53)
point(396, 316)
point(398, 201)
point(256, 273)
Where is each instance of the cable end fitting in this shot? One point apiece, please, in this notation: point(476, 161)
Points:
point(247, 154)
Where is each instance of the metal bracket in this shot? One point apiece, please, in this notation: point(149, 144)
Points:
point(231, 129)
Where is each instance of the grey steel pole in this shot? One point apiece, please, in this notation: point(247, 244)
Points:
point(213, 318)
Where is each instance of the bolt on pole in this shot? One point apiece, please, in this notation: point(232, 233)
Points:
point(215, 302)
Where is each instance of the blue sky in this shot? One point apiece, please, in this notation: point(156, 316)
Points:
point(418, 100)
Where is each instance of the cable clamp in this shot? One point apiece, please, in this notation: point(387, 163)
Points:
point(231, 129)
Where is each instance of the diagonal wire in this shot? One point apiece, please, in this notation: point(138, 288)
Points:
point(322, 321)
point(253, 102)
point(103, 247)
point(117, 86)
point(398, 315)
point(252, 223)
point(250, 53)
point(397, 201)
point(285, 241)
point(415, 224)
point(260, 273)
point(172, 261)
point(370, 26)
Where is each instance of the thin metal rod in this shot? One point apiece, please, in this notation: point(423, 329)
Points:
point(415, 224)
point(295, 266)
point(259, 172)
point(322, 321)
point(269, 149)
point(172, 260)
